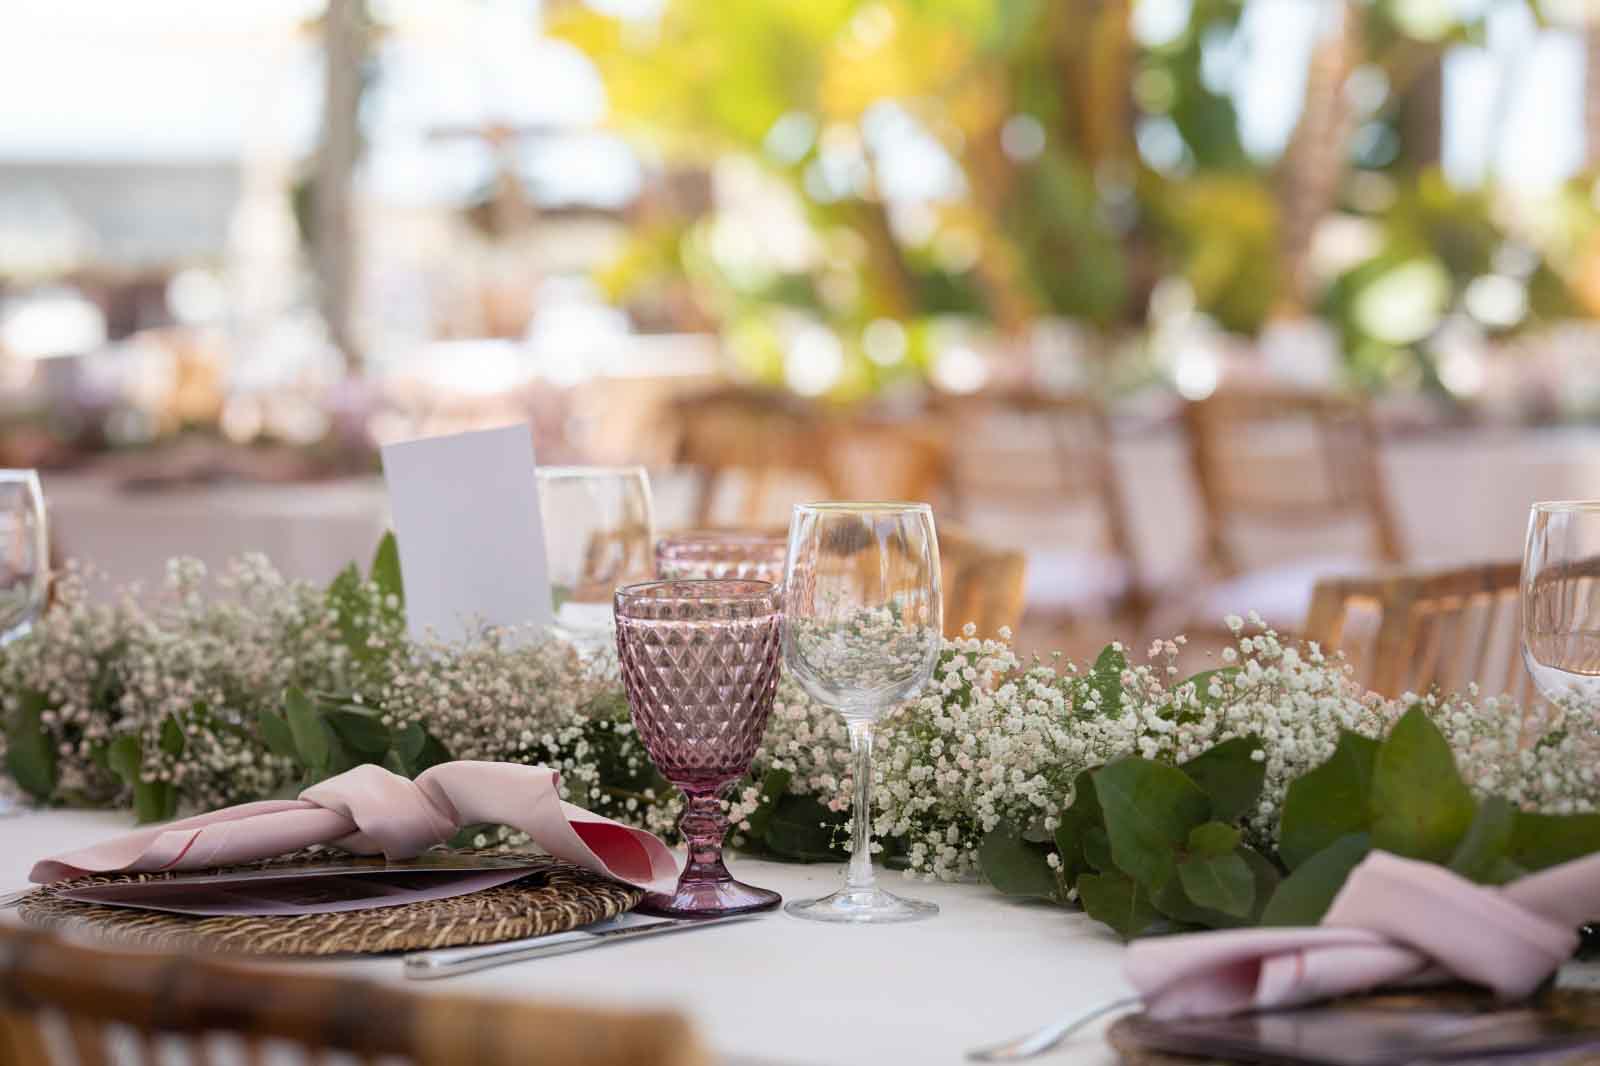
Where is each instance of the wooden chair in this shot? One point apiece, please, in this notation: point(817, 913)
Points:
point(982, 585)
point(768, 437)
point(1089, 566)
point(103, 1004)
point(1285, 464)
point(1409, 632)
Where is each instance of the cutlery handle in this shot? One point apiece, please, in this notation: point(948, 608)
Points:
point(448, 962)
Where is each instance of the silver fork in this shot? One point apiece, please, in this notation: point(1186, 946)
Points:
point(1050, 1036)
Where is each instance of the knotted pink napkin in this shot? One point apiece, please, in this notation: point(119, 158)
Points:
point(369, 810)
point(1394, 921)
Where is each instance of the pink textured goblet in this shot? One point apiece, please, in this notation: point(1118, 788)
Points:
point(709, 553)
point(700, 664)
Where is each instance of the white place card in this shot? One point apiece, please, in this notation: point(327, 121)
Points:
point(466, 516)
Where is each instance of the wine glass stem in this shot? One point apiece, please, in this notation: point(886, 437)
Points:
point(703, 826)
point(860, 875)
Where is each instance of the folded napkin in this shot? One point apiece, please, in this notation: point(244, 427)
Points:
point(1394, 921)
point(369, 810)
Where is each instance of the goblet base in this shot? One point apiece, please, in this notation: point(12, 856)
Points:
point(709, 899)
point(863, 906)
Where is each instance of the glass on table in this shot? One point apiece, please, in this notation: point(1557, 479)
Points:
point(863, 633)
point(1561, 600)
point(24, 553)
point(718, 553)
point(599, 533)
point(700, 665)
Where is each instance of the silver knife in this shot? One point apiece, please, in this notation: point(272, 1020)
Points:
point(448, 962)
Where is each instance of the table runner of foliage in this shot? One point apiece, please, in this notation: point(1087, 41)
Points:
point(1241, 795)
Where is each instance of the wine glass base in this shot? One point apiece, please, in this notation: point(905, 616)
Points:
point(863, 906)
point(709, 899)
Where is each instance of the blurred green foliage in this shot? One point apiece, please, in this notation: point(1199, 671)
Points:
point(1074, 167)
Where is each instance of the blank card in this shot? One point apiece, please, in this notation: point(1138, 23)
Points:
point(466, 516)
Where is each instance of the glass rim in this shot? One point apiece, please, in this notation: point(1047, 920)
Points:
point(1566, 506)
point(19, 474)
point(569, 470)
point(719, 536)
point(699, 590)
point(864, 506)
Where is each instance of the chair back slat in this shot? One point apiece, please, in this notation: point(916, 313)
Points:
point(982, 585)
point(1440, 629)
point(100, 991)
point(765, 439)
point(1004, 433)
point(1286, 459)
point(89, 1039)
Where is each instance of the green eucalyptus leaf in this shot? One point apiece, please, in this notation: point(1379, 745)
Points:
point(1114, 899)
point(1229, 775)
point(172, 738)
point(1482, 852)
point(1212, 839)
point(1219, 882)
point(1104, 679)
point(802, 830)
point(1173, 900)
point(1150, 809)
point(774, 786)
point(125, 757)
point(385, 569)
point(154, 801)
point(1016, 866)
point(359, 732)
point(1076, 821)
point(30, 755)
point(275, 734)
point(1330, 802)
point(311, 739)
point(1305, 895)
point(1097, 849)
point(1420, 806)
point(408, 742)
point(1541, 840)
point(432, 754)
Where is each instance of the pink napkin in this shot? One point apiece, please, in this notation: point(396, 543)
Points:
point(1394, 921)
point(369, 810)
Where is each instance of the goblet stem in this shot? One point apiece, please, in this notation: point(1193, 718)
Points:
point(860, 875)
point(703, 825)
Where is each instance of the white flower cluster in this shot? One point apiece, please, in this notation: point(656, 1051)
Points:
point(191, 665)
point(992, 739)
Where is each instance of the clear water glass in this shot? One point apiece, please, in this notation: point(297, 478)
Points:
point(716, 553)
point(863, 633)
point(599, 534)
point(700, 664)
point(1561, 600)
point(24, 553)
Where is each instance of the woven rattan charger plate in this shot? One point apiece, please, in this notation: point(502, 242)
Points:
point(554, 897)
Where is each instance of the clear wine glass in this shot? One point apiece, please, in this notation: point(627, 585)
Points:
point(24, 553)
point(1561, 600)
point(700, 664)
point(863, 633)
point(709, 553)
point(599, 534)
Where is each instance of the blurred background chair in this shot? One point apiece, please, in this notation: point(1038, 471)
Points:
point(982, 584)
point(1411, 631)
point(1292, 492)
point(1044, 461)
point(65, 1003)
point(754, 452)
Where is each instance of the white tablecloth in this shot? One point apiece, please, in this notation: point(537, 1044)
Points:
point(778, 990)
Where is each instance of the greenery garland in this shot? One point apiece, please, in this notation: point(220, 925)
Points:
point(1242, 795)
